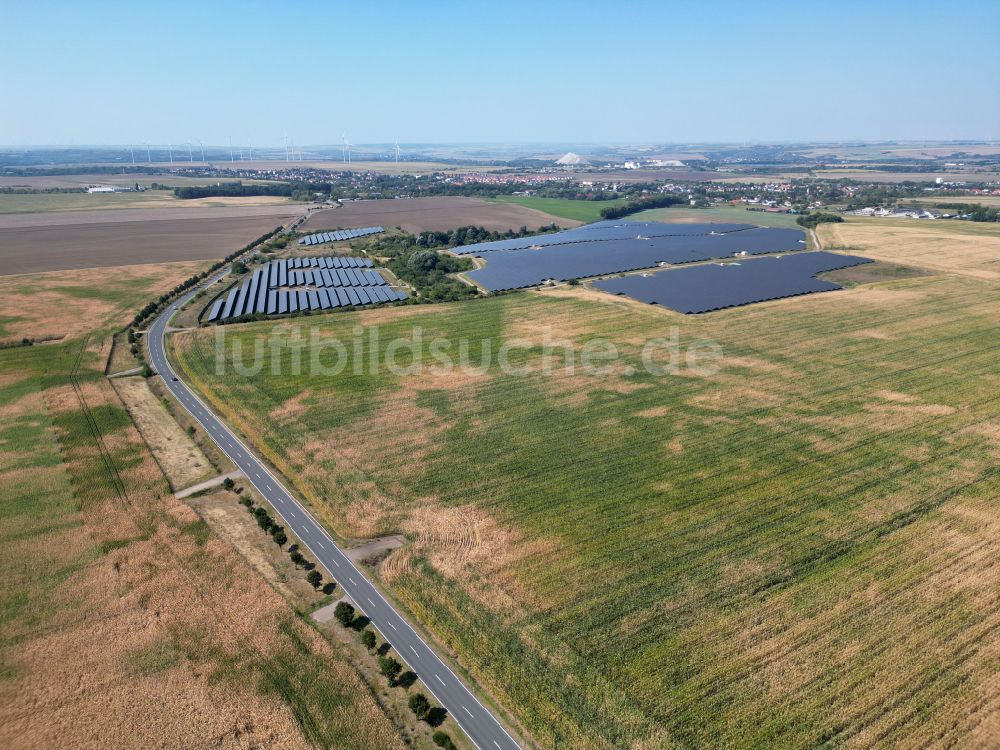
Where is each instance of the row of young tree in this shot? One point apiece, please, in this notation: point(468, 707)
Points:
point(393, 670)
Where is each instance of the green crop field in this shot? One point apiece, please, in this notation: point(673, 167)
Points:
point(732, 214)
point(798, 550)
point(585, 211)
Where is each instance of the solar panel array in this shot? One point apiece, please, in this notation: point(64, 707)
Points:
point(338, 235)
point(602, 230)
point(518, 268)
point(325, 283)
point(716, 286)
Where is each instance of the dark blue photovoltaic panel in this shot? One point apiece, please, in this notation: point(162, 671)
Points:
point(514, 269)
point(216, 309)
point(353, 296)
point(339, 235)
point(272, 302)
point(377, 278)
point(227, 309)
point(282, 303)
point(377, 294)
point(363, 296)
point(715, 286)
point(309, 278)
point(341, 279)
point(324, 299)
point(619, 229)
point(241, 299)
point(293, 302)
point(342, 296)
point(401, 295)
point(314, 301)
point(303, 300)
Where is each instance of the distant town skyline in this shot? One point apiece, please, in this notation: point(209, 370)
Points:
point(560, 73)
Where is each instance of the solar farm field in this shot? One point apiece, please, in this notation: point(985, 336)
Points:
point(797, 550)
point(56, 241)
point(427, 214)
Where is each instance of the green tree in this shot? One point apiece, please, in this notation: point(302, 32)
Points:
point(314, 577)
point(344, 613)
point(441, 739)
point(368, 639)
point(297, 559)
point(389, 667)
point(247, 501)
point(228, 484)
point(420, 706)
point(280, 537)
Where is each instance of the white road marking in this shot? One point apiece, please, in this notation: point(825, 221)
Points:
point(467, 710)
point(443, 682)
point(391, 625)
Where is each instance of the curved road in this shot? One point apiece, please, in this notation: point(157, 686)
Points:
point(476, 721)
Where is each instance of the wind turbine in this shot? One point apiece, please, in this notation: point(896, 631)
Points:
point(397, 152)
point(190, 153)
point(347, 148)
point(132, 151)
point(232, 159)
point(250, 146)
point(149, 158)
point(202, 145)
point(285, 139)
point(170, 150)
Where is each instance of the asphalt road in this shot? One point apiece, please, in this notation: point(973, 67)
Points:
point(475, 719)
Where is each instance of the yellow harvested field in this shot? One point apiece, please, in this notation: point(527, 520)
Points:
point(180, 459)
point(944, 246)
point(67, 304)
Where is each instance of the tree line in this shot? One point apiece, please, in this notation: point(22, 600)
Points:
point(640, 204)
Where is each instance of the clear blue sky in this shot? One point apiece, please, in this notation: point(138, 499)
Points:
point(110, 73)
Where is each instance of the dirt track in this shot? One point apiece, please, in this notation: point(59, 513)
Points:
point(425, 214)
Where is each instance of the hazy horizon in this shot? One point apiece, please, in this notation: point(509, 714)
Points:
point(517, 73)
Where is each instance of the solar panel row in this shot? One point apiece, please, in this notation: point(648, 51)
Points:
point(338, 235)
point(601, 231)
point(332, 277)
point(716, 286)
point(280, 302)
point(515, 269)
point(338, 261)
point(260, 293)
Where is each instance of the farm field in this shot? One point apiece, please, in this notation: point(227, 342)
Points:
point(990, 201)
point(955, 247)
point(797, 550)
point(426, 214)
point(585, 211)
point(55, 241)
point(736, 214)
point(43, 181)
point(125, 623)
point(15, 203)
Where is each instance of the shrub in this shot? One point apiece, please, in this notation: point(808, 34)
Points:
point(420, 706)
point(368, 639)
point(441, 739)
point(280, 537)
point(228, 484)
point(246, 501)
point(314, 577)
point(297, 559)
point(389, 667)
point(344, 613)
